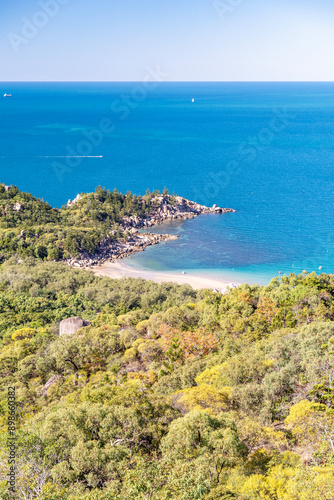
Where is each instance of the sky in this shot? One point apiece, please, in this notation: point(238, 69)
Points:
point(189, 40)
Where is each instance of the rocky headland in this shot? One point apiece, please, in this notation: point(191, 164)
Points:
point(163, 208)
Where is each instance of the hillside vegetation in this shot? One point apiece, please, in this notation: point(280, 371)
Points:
point(170, 393)
point(30, 227)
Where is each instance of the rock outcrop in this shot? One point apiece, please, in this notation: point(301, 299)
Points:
point(70, 326)
point(163, 208)
point(76, 199)
point(52, 380)
point(17, 207)
point(171, 208)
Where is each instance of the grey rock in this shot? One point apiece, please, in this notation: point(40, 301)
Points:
point(52, 380)
point(70, 326)
point(17, 207)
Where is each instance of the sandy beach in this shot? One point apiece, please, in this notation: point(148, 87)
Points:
point(120, 270)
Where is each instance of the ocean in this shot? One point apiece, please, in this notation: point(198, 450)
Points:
point(264, 149)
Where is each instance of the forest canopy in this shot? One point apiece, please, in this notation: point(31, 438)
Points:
point(169, 392)
point(30, 227)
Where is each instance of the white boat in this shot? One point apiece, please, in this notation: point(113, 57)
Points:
point(192, 100)
point(7, 95)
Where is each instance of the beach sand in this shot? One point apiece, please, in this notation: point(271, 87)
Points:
point(120, 270)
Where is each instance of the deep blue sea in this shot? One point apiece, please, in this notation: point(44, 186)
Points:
point(264, 149)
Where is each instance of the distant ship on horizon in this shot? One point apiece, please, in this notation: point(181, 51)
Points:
point(7, 95)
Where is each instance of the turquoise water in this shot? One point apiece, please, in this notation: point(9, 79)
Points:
point(265, 149)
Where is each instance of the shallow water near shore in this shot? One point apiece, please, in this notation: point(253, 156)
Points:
point(211, 238)
point(282, 187)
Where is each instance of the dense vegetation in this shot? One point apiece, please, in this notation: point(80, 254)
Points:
point(170, 393)
point(30, 227)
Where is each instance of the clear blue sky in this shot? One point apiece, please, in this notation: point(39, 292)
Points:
point(118, 39)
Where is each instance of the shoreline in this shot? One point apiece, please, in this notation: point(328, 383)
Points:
point(117, 270)
point(164, 208)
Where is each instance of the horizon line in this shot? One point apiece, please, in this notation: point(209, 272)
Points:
point(168, 81)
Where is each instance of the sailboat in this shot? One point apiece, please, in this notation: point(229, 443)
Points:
point(192, 100)
point(7, 95)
